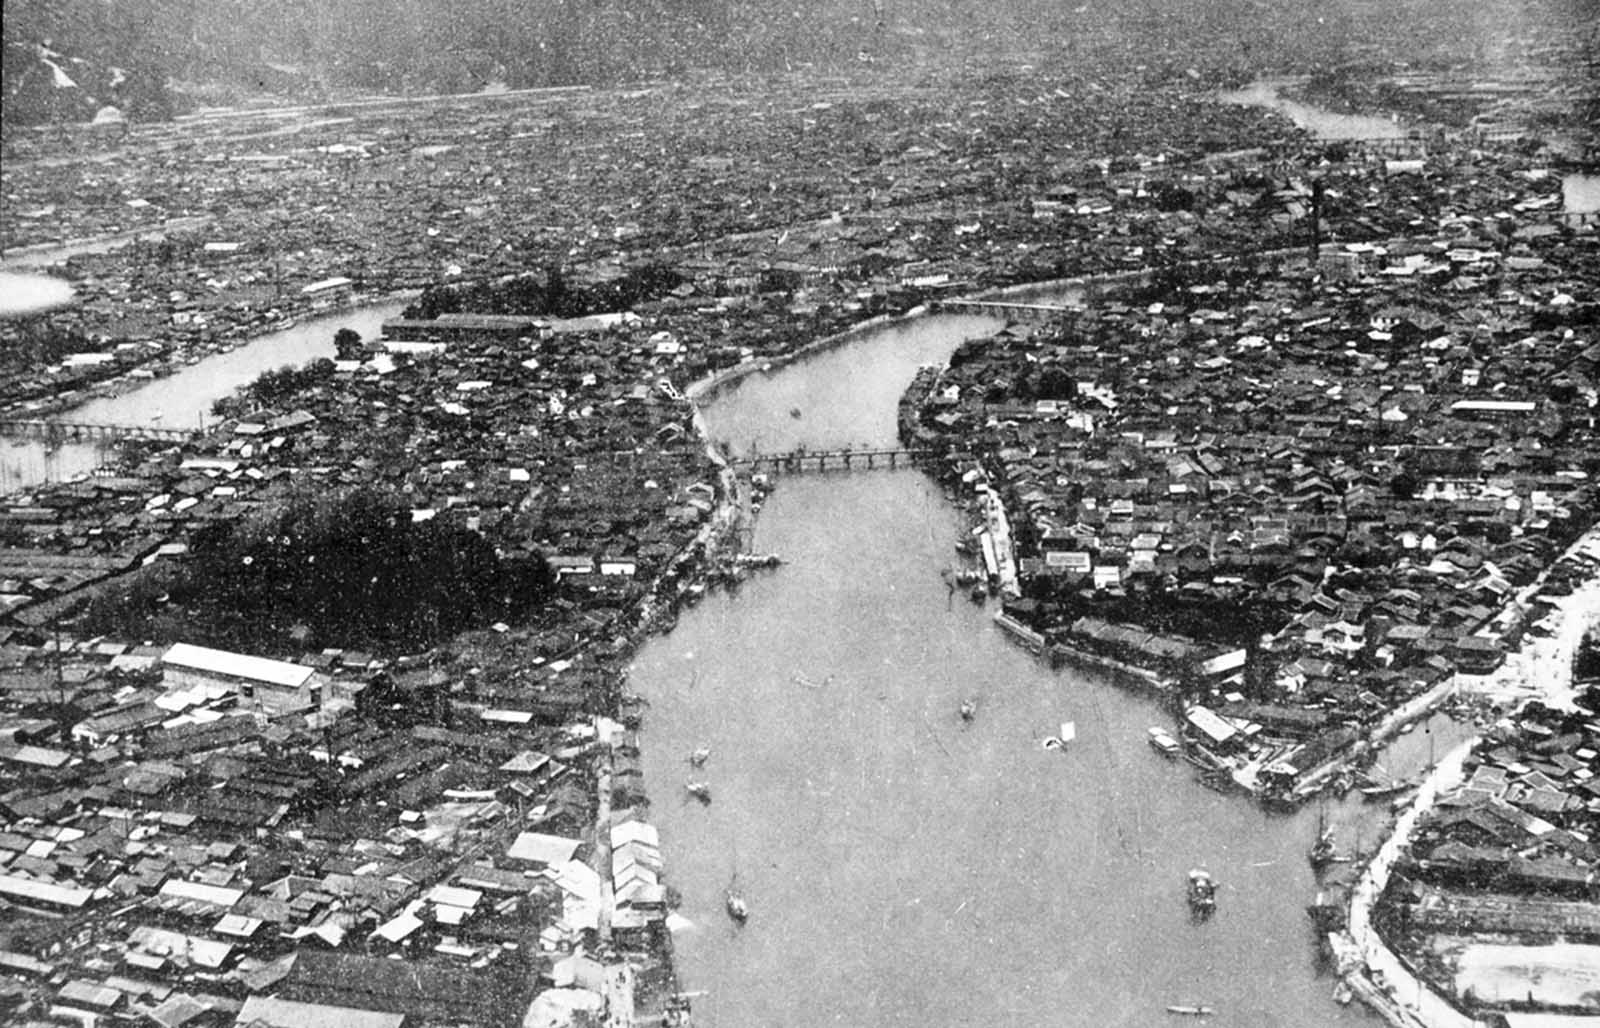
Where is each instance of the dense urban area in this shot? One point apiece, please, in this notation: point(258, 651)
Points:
point(319, 712)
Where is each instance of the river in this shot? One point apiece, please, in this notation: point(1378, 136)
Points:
point(182, 399)
point(1580, 193)
point(904, 869)
point(24, 294)
point(1323, 123)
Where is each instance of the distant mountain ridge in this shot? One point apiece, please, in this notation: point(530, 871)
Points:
point(67, 59)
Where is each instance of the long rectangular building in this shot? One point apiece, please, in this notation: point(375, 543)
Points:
point(271, 686)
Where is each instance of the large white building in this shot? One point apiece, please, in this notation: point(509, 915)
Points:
point(270, 686)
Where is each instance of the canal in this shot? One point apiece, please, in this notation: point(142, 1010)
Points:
point(184, 398)
point(905, 869)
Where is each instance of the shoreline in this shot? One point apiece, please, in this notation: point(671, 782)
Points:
point(165, 365)
point(1360, 938)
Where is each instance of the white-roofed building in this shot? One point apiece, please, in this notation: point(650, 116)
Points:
point(538, 848)
point(271, 686)
point(284, 1013)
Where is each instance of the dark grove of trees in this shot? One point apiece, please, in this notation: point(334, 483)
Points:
point(547, 293)
point(350, 569)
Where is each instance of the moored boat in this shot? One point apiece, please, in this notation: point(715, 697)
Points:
point(1163, 743)
point(1194, 1010)
point(1327, 912)
point(1322, 851)
point(1378, 792)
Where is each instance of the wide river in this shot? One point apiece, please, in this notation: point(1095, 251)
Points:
point(182, 399)
point(905, 869)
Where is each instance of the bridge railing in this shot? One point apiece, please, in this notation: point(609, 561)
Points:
point(844, 459)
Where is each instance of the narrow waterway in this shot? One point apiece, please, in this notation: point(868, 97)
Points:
point(904, 869)
point(184, 398)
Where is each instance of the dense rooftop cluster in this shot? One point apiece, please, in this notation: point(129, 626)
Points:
point(236, 224)
point(1510, 854)
point(1363, 464)
point(1347, 470)
point(205, 834)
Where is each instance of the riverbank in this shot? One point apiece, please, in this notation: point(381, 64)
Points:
point(1539, 671)
point(130, 377)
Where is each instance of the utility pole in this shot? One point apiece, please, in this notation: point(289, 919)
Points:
point(1316, 220)
point(61, 681)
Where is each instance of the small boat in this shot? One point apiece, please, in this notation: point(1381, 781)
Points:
point(1378, 792)
point(699, 790)
point(1163, 743)
point(699, 757)
point(980, 592)
point(969, 709)
point(1322, 851)
point(1202, 891)
point(1069, 732)
point(1192, 1011)
point(1326, 912)
point(794, 412)
point(738, 909)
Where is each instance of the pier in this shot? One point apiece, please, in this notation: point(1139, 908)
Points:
point(800, 460)
point(62, 431)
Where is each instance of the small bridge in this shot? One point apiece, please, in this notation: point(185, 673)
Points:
point(796, 461)
point(62, 431)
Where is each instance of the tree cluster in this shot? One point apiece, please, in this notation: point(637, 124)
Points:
point(548, 293)
point(352, 569)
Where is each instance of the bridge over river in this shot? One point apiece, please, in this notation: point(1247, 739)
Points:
point(801, 459)
point(61, 431)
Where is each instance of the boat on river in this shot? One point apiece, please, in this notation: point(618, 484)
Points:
point(699, 757)
point(1322, 851)
point(738, 909)
point(1327, 911)
point(969, 709)
point(1163, 743)
point(1202, 892)
point(1383, 791)
point(699, 790)
point(1194, 1010)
